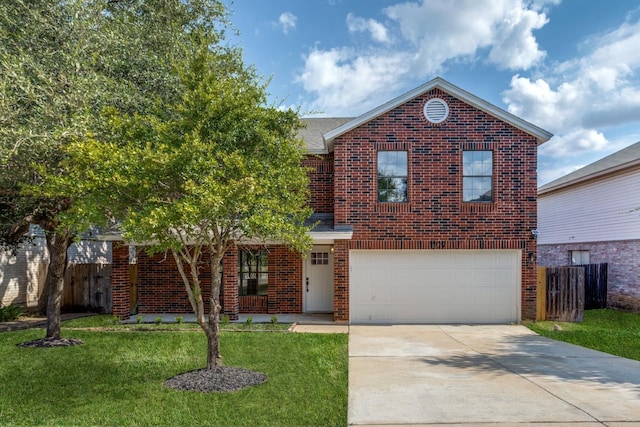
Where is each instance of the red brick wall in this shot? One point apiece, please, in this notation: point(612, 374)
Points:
point(435, 216)
point(285, 281)
point(230, 299)
point(341, 280)
point(161, 289)
point(321, 182)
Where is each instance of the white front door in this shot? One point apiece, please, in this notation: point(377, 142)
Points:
point(317, 286)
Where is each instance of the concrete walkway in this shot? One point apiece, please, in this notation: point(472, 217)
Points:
point(485, 375)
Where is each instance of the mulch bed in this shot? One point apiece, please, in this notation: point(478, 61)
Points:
point(221, 379)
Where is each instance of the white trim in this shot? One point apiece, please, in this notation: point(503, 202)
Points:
point(540, 134)
point(328, 237)
point(547, 188)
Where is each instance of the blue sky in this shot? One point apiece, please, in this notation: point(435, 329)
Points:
point(571, 67)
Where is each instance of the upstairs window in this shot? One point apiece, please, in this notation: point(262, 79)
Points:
point(253, 272)
point(392, 176)
point(477, 176)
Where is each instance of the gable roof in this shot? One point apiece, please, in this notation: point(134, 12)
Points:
point(620, 160)
point(438, 83)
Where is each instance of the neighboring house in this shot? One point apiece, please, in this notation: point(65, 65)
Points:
point(592, 215)
point(426, 207)
point(23, 271)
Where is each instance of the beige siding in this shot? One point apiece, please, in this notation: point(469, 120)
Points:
point(22, 274)
point(600, 211)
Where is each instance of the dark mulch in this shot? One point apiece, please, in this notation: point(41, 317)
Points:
point(51, 342)
point(221, 379)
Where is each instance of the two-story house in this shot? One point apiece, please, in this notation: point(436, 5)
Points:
point(425, 209)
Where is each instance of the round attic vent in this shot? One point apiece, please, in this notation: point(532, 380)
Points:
point(436, 110)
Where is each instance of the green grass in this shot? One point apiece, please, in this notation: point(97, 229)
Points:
point(610, 331)
point(116, 378)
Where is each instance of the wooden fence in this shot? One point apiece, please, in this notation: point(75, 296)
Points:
point(595, 286)
point(563, 292)
point(564, 296)
point(87, 287)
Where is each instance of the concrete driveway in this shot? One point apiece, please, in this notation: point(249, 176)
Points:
point(470, 375)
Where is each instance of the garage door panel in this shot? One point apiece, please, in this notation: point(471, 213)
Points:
point(434, 286)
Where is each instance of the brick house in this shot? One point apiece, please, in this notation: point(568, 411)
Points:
point(591, 216)
point(425, 209)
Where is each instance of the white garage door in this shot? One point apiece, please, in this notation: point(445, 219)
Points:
point(414, 286)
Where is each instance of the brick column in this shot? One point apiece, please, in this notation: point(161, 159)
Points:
point(230, 301)
point(341, 281)
point(120, 287)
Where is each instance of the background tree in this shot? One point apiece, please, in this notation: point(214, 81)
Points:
point(215, 169)
point(63, 62)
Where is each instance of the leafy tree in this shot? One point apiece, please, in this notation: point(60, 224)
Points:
point(220, 167)
point(63, 62)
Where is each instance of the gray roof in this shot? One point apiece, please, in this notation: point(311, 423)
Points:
point(320, 222)
point(623, 159)
point(315, 128)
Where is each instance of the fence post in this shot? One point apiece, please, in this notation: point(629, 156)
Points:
point(541, 294)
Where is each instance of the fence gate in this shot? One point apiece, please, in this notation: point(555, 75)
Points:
point(87, 287)
point(565, 294)
point(595, 286)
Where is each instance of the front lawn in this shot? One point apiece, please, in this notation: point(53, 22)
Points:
point(116, 378)
point(610, 331)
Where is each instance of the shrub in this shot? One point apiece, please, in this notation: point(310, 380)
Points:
point(138, 319)
point(249, 320)
point(179, 320)
point(274, 320)
point(225, 320)
point(10, 312)
point(158, 320)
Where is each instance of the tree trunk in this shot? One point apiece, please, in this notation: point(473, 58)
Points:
point(57, 243)
point(214, 359)
point(189, 257)
point(43, 300)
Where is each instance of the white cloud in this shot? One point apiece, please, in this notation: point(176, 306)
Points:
point(418, 42)
point(445, 30)
point(377, 30)
point(343, 81)
point(514, 46)
point(597, 91)
point(573, 143)
point(287, 22)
